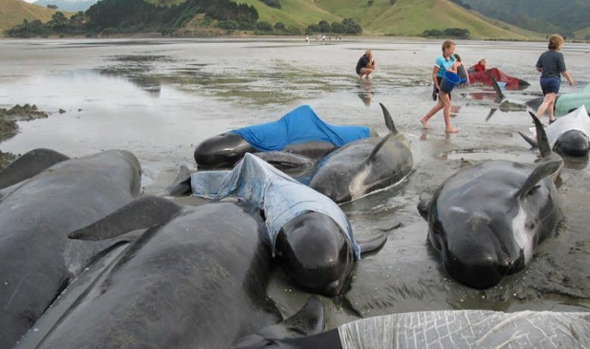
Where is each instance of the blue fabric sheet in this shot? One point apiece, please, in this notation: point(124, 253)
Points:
point(299, 126)
point(281, 197)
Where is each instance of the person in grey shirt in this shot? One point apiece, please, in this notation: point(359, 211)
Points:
point(551, 64)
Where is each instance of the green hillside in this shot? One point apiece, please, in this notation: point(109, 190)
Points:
point(13, 12)
point(377, 17)
point(583, 34)
point(404, 18)
point(546, 16)
point(293, 13)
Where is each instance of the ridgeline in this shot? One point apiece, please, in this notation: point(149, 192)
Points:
point(409, 18)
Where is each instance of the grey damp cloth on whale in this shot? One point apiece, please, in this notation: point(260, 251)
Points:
point(469, 329)
point(281, 197)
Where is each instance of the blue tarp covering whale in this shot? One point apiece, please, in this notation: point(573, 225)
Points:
point(300, 125)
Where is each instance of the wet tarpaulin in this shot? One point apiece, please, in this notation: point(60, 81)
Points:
point(299, 126)
point(281, 197)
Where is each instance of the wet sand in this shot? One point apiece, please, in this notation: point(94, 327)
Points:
point(160, 98)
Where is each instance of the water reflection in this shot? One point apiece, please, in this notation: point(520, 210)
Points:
point(366, 91)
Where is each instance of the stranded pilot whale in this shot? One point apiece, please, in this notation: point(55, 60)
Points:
point(37, 259)
point(196, 278)
point(300, 131)
point(364, 166)
point(569, 134)
point(487, 219)
point(309, 233)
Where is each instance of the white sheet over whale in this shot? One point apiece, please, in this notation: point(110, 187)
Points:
point(464, 329)
point(576, 120)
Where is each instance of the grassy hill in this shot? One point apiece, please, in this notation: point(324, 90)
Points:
point(12, 12)
point(377, 17)
point(404, 18)
point(547, 16)
point(583, 34)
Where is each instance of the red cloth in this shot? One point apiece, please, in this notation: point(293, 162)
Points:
point(512, 83)
point(478, 67)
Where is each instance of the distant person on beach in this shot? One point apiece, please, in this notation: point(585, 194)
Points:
point(366, 65)
point(478, 67)
point(551, 64)
point(462, 71)
point(444, 62)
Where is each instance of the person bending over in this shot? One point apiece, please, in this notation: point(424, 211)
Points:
point(365, 65)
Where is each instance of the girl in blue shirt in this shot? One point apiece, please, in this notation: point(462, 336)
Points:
point(444, 62)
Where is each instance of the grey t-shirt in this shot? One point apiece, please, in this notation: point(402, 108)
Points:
point(552, 63)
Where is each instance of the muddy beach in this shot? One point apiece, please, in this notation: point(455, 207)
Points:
point(160, 98)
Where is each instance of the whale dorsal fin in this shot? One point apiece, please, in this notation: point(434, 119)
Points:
point(388, 120)
point(529, 140)
point(141, 213)
point(542, 140)
point(377, 148)
point(543, 170)
point(30, 164)
point(306, 322)
point(499, 94)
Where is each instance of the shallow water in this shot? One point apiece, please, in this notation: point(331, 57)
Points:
point(160, 98)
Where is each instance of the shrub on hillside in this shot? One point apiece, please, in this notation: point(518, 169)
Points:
point(455, 33)
point(272, 3)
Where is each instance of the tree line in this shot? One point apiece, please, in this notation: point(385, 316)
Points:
point(135, 16)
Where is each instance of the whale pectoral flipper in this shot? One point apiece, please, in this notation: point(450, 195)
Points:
point(423, 208)
point(545, 169)
point(308, 321)
point(372, 244)
point(388, 119)
point(377, 148)
point(529, 140)
point(143, 212)
point(182, 183)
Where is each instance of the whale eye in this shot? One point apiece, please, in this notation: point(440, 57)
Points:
point(533, 190)
point(529, 224)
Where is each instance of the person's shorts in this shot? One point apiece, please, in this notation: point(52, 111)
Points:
point(550, 85)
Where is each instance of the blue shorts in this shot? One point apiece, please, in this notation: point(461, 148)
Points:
point(550, 85)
